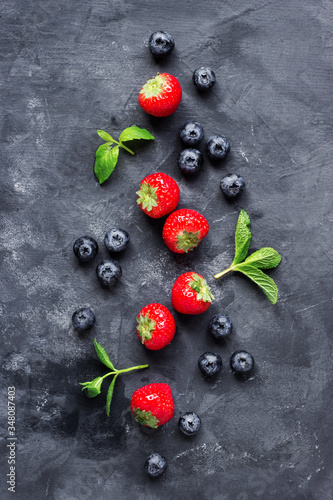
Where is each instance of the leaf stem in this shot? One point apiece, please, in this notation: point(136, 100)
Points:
point(132, 368)
point(222, 273)
point(125, 147)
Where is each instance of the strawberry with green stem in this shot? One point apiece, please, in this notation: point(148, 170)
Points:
point(184, 229)
point(158, 195)
point(156, 326)
point(265, 258)
point(94, 387)
point(152, 405)
point(191, 294)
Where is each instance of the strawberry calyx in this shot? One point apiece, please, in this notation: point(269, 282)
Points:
point(200, 286)
point(153, 87)
point(187, 240)
point(147, 196)
point(145, 418)
point(145, 327)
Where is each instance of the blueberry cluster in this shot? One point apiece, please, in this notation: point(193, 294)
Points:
point(190, 160)
point(108, 271)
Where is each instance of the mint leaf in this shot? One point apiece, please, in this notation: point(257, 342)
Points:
point(93, 387)
point(265, 258)
point(105, 161)
point(103, 356)
point(266, 283)
point(105, 136)
point(131, 133)
point(242, 237)
point(110, 394)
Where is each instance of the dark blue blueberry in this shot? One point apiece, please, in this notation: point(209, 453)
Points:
point(220, 326)
point(116, 239)
point(85, 248)
point(232, 185)
point(161, 44)
point(83, 319)
point(217, 147)
point(204, 78)
point(189, 423)
point(210, 363)
point(155, 465)
point(190, 161)
point(242, 363)
point(108, 272)
point(191, 133)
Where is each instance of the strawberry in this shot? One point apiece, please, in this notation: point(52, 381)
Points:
point(184, 229)
point(156, 326)
point(152, 405)
point(161, 95)
point(158, 195)
point(191, 294)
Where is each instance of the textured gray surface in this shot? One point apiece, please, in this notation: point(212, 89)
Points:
point(69, 68)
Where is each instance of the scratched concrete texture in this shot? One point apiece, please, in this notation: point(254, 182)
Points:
point(70, 68)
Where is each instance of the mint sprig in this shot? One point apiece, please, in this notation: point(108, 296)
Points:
point(265, 258)
point(107, 154)
point(94, 387)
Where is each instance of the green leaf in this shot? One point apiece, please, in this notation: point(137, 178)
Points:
point(105, 161)
point(144, 417)
point(131, 133)
point(105, 136)
point(265, 258)
point(93, 387)
point(110, 394)
point(103, 356)
point(265, 282)
point(242, 237)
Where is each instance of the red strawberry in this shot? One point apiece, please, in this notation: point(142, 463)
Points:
point(184, 229)
point(161, 95)
point(152, 405)
point(191, 294)
point(156, 326)
point(158, 195)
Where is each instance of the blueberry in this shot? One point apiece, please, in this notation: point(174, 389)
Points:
point(220, 326)
point(190, 161)
point(108, 272)
point(155, 465)
point(85, 248)
point(217, 147)
point(242, 363)
point(83, 319)
point(204, 78)
point(232, 185)
point(210, 363)
point(191, 133)
point(161, 44)
point(116, 239)
point(189, 423)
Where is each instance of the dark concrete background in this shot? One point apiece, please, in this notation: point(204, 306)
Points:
point(69, 68)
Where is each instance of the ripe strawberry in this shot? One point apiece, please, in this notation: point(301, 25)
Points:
point(158, 195)
point(152, 405)
point(156, 326)
point(184, 229)
point(191, 294)
point(161, 95)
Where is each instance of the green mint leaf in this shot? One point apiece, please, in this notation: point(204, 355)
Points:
point(103, 356)
point(110, 394)
point(266, 283)
point(105, 161)
point(105, 136)
point(242, 237)
point(265, 258)
point(131, 133)
point(93, 387)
